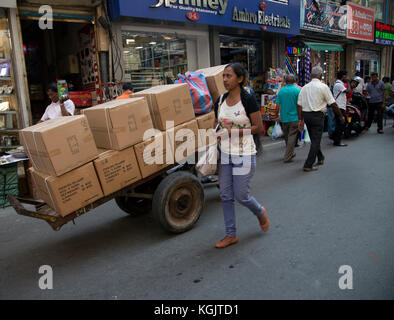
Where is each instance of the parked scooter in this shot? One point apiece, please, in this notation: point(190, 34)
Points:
point(353, 123)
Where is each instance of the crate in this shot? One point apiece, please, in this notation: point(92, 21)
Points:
point(8, 184)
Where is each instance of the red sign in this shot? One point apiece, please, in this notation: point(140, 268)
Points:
point(193, 16)
point(360, 22)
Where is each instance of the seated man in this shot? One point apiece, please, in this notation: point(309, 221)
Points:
point(127, 91)
point(60, 107)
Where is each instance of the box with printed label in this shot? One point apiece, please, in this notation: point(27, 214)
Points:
point(214, 78)
point(69, 192)
point(206, 130)
point(59, 145)
point(154, 154)
point(117, 169)
point(119, 124)
point(171, 102)
point(184, 140)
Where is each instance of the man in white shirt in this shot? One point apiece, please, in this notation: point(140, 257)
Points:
point(58, 107)
point(313, 99)
point(339, 92)
point(360, 87)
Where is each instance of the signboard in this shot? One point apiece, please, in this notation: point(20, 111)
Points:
point(360, 22)
point(327, 17)
point(280, 16)
point(384, 34)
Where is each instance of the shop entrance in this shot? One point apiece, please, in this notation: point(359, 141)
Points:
point(62, 53)
point(367, 62)
point(247, 51)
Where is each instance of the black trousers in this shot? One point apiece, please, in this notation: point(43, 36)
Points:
point(339, 128)
point(372, 107)
point(315, 125)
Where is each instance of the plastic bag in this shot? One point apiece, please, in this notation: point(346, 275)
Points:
point(307, 139)
point(277, 131)
point(208, 162)
point(201, 97)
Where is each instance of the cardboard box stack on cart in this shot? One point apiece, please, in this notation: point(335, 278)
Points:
point(61, 151)
point(80, 159)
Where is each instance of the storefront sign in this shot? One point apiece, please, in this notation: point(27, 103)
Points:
point(270, 15)
point(327, 17)
point(360, 22)
point(362, 54)
point(384, 34)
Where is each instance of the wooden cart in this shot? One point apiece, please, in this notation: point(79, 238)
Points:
point(175, 196)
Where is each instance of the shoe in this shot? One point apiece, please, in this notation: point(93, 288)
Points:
point(226, 241)
point(380, 131)
point(340, 144)
point(291, 159)
point(264, 217)
point(310, 169)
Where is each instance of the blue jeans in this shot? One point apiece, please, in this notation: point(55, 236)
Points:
point(235, 173)
point(331, 121)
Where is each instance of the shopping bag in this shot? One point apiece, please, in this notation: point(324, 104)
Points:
point(307, 139)
point(277, 131)
point(208, 162)
point(201, 97)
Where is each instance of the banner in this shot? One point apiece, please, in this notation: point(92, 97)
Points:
point(360, 22)
point(327, 17)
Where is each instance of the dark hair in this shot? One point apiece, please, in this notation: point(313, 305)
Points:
point(367, 78)
point(374, 74)
point(52, 86)
point(128, 86)
point(358, 74)
point(341, 74)
point(386, 79)
point(239, 70)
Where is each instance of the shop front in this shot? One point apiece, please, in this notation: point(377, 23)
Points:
point(63, 51)
point(163, 38)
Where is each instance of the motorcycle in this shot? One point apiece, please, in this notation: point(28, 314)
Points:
point(353, 121)
point(360, 102)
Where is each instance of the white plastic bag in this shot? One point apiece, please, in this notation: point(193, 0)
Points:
point(277, 132)
point(307, 139)
point(208, 162)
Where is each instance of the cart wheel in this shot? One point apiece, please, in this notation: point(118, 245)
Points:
point(178, 201)
point(134, 206)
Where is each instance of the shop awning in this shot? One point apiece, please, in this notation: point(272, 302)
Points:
point(318, 46)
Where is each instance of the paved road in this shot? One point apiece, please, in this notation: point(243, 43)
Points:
point(339, 215)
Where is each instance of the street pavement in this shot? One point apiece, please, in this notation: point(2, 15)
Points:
point(341, 214)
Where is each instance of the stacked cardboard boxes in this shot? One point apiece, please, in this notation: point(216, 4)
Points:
point(214, 77)
point(61, 151)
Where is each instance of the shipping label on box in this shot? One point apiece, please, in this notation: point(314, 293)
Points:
point(119, 124)
point(69, 192)
point(59, 145)
point(117, 169)
point(154, 154)
point(214, 78)
point(171, 102)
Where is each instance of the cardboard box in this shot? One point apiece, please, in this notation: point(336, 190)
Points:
point(119, 124)
point(59, 145)
point(147, 150)
point(184, 142)
point(69, 192)
point(214, 77)
point(171, 102)
point(206, 130)
point(117, 169)
point(206, 121)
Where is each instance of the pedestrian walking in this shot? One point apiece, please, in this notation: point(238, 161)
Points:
point(340, 94)
point(313, 99)
point(239, 118)
point(377, 92)
point(290, 115)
